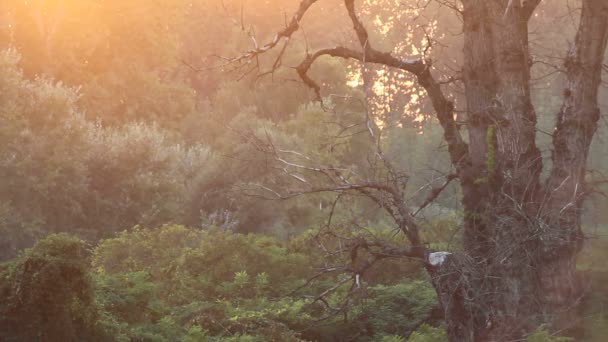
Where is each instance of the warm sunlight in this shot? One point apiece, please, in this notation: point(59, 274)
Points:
point(303, 170)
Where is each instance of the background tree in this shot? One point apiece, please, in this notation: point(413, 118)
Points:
point(47, 293)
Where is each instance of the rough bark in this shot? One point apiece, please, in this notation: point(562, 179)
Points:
point(521, 238)
point(500, 187)
point(565, 188)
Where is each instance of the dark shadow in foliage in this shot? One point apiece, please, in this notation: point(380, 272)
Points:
point(47, 294)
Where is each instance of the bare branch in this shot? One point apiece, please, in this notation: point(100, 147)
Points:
point(435, 192)
point(420, 68)
point(313, 278)
point(286, 33)
point(444, 108)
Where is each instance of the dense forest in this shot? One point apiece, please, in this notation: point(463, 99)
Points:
point(303, 170)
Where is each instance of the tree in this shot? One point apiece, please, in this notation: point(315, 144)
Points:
point(65, 174)
point(521, 232)
point(47, 293)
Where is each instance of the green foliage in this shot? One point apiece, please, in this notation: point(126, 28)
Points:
point(426, 333)
point(384, 311)
point(137, 175)
point(391, 338)
point(169, 280)
point(47, 293)
point(593, 271)
point(175, 281)
point(64, 173)
point(543, 335)
point(491, 145)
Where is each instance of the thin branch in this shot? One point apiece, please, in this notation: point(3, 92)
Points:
point(287, 32)
point(435, 192)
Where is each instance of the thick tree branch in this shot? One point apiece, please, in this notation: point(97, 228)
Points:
point(578, 119)
point(421, 69)
point(444, 108)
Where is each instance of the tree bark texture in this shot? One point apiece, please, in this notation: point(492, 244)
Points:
point(521, 235)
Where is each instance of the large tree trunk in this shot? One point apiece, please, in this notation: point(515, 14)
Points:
point(521, 238)
point(565, 189)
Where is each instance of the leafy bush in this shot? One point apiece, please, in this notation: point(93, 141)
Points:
point(427, 333)
point(47, 293)
point(228, 283)
point(65, 174)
